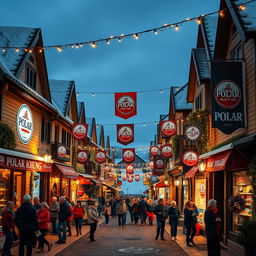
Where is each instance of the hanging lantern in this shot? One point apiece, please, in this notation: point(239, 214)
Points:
point(201, 165)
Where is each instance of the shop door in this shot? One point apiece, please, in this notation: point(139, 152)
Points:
point(18, 189)
point(219, 191)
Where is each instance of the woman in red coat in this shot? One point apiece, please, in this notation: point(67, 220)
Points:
point(78, 212)
point(43, 224)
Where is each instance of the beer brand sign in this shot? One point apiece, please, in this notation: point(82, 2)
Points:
point(168, 128)
point(24, 124)
point(61, 151)
point(227, 94)
point(153, 150)
point(125, 133)
point(100, 156)
point(126, 104)
point(159, 166)
point(128, 155)
point(190, 158)
point(79, 131)
point(129, 169)
point(82, 156)
point(166, 151)
point(192, 132)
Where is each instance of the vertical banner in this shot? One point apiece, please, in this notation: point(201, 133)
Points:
point(128, 155)
point(159, 166)
point(126, 104)
point(168, 128)
point(100, 156)
point(130, 169)
point(125, 133)
point(227, 96)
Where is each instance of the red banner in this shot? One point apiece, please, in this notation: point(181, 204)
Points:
point(153, 150)
point(82, 156)
point(168, 128)
point(129, 169)
point(79, 131)
point(126, 104)
point(125, 133)
point(166, 150)
point(100, 156)
point(128, 155)
point(159, 166)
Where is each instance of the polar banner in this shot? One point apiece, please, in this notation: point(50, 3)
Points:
point(126, 104)
point(227, 96)
point(128, 155)
point(159, 166)
point(125, 133)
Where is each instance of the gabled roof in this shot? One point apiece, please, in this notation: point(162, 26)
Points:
point(107, 142)
point(100, 135)
point(179, 95)
point(80, 110)
point(91, 122)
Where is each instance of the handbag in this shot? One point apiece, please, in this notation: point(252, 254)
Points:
point(38, 233)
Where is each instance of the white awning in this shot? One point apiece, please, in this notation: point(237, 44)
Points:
point(20, 154)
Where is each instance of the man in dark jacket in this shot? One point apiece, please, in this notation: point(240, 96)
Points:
point(143, 208)
point(174, 215)
point(26, 221)
point(63, 215)
point(161, 215)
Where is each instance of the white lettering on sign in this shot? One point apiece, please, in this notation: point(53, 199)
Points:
point(228, 116)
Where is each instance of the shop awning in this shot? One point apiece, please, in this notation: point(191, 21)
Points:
point(97, 183)
point(109, 186)
point(191, 172)
point(67, 171)
point(160, 185)
point(85, 175)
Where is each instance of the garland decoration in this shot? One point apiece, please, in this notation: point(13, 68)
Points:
point(236, 204)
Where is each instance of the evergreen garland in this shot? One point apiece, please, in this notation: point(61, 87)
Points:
point(7, 136)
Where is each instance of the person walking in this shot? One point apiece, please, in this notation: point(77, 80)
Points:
point(143, 208)
point(107, 211)
point(150, 212)
point(63, 216)
point(161, 215)
point(78, 212)
point(212, 228)
point(121, 210)
point(8, 226)
point(135, 210)
point(195, 213)
point(26, 221)
point(43, 225)
point(99, 209)
point(36, 203)
point(174, 215)
point(129, 202)
point(189, 223)
point(70, 218)
point(54, 209)
point(92, 219)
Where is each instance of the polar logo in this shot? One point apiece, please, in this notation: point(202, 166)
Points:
point(159, 164)
point(125, 134)
point(126, 105)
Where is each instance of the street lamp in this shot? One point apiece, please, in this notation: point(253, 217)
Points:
point(201, 165)
point(166, 183)
point(47, 158)
point(177, 182)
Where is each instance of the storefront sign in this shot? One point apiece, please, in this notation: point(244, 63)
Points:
point(13, 162)
point(85, 181)
point(129, 168)
point(126, 104)
point(24, 123)
point(192, 132)
point(128, 155)
point(100, 156)
point(227, 94)
point(159, 166)
point(190, 158)
point(79, 131)
point(82, 156)
point(168, 128)
point(166, 150)
point(125, 133)
point(153, 150)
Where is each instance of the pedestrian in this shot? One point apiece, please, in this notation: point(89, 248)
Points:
point(54, 209)
point(143, 208)
point(150, 212)
point(212, 228)
point(43, 225)
point(135, 210)
point(27, 223)
point(99, 209)
point(174, 215)
point(36, 203)
point(121, 210)
point(113, 207)
point(129, 206)
point(63, 216)
point(189, 222)
point(195, 213)
point(155, 202)
point(70, 218)
point(92, 219)
point(78, 212)
point(107, 211)
point(161, 215)
point(8, 227)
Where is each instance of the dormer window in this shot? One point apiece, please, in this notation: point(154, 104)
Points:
point(30, 77)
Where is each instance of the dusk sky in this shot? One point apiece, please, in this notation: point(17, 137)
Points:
point(152, 62)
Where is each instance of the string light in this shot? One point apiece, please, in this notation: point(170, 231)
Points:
point(136, 36)
point(107, 42)
point(93, 94)
point(59, 49)
point(30, 50)
point(177, 27)
point(4, 50)
point(119, 39)
point(221, 13)
point(161, 91)
point(93, 45)
point(199, 21)
point(155, 32)
point(77, 94)
point(242, 7)
point(17, 49)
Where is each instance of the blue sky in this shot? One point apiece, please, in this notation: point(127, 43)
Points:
point(148, 63)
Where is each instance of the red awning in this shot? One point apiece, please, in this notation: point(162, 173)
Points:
point(67, 171)
point(191, 172)
point(161, 185)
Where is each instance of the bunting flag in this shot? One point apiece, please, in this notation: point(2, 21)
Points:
point(100, 156)
point(79, 131)
point(125, 133)
point(159, 166)
point(126, 104)
point(128, 155)
point(168, 128)
point(130, 169)
point(82, 156)
point(153, 150)
point(166, 150)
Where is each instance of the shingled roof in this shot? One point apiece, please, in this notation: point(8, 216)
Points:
point(179, 95)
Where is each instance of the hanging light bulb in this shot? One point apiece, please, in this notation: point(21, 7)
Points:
point(222, 14)
point(242, 7)
point(59, 49)
point(136, 36)
point(17, 49)
point(81, 45)
point(155, 32)
point(120, 39)
point(72, 46)
point(144, 125)
point(93, 94)
point(40, 50)
point(77, 46)
point(30, 50)
point(198, 21)
point(176, 27)
point(161, 91)
point(107, 42)
point(4, 50)
point(77, 94)
point(93, 45)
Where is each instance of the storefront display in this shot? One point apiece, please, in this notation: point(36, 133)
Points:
point(200, 198)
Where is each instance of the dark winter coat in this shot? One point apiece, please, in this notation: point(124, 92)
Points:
point(188, 217)
point(174, 214)
point(196, 213)
point(8, 220)
point(161, 212)
point(135, 210)
point(26, 218)
point(210, 223)
point(64, 212)
point(143, 206)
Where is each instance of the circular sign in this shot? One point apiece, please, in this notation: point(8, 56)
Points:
point(148, 177)
point(107, 169)
point(125, 134)
point(61, 151)
point(79, 131)
point(227, 94)
point(192, 132)
point(190, 158)
point(166, 150)
point(126, 105)
point(24, 123)
point(130, 179)
point(128, 156)
point(159, 164)
point(129, 169)
point(100, 157)
point(124, 178)
point(153, 150)
point(137, 178)
point(168, 128)
point(82, 156)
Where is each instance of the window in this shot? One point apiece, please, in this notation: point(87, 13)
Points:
point(45, 131)
point(66, 138)
point(57, 132)
point(199, 102)
point(30, 77)
point(63, 138)
point(237, 53)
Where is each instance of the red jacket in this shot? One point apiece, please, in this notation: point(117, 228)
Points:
point(7, 220)
point(78, 212)
point(43, 218)
point(71, 214)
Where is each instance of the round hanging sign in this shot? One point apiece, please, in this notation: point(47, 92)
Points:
point(79, 131)
point(137, 178)
point(168, 128)
point(100, 156)
point(129, 169)
point(166, 151)
point(125, 135)
point(24, 124)
point(190, 158)
point(159, 164)
point(107, 169)
point(61, 151)
point(192, 132)
point(130, 179)
point(227, 94)
point(153, 150)
point(128, 156)
point(82, 156)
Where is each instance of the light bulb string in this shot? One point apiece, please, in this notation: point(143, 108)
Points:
point(136, 35)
